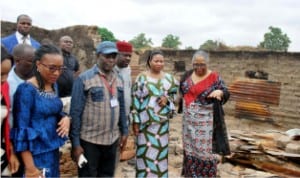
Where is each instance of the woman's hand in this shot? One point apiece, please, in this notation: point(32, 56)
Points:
point(33, 172)
point(162, 101)
point(64, 126)
point(218, 94)
point(136, 130)
point(13, 163)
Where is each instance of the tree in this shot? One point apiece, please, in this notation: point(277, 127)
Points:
point(209, 45)
point(106, 35)
point(275, 40)
point(141, 41)
point(171, 41)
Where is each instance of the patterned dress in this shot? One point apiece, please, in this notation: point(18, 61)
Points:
point(152, 141)
point(199, 159)
point(36, 115)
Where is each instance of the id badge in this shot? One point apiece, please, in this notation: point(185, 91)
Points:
point(114, 102)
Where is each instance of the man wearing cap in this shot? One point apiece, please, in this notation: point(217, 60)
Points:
point(98, 115)
point(21, 36)
point(123, 69)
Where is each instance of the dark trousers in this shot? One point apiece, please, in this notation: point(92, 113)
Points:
point(101, 159)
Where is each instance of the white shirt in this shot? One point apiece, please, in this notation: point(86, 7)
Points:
point(125, 73)
point(19, 37)
point(14, 81)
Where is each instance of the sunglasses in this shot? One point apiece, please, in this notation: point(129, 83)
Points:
point(53, 68)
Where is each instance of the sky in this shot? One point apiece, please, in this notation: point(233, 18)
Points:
point(233, 22)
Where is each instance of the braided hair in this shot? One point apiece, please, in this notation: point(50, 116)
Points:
point(151, 54)
point(38, 55)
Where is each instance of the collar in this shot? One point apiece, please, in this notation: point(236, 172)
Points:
point(20, 36)
point(118, 69)
point(66, 53)
point(97, 70)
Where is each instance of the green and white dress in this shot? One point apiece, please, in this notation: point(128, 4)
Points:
point(153, 120)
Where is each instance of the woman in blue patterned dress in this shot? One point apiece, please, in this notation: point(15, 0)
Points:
point(204, 131)
point(40, 126)
point(153, 97)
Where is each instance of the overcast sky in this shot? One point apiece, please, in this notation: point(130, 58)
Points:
point(234, 22)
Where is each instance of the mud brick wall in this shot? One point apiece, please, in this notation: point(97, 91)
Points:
point(281, 67)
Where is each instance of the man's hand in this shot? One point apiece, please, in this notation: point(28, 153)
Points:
point(123, 143)
point(76, 152)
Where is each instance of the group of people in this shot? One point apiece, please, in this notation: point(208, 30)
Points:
point(104, 104)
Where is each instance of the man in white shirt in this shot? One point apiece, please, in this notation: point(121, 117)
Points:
point(21, 36)
point(22, 70)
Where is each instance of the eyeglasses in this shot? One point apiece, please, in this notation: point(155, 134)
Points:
point(196, 65)
point(53, 68)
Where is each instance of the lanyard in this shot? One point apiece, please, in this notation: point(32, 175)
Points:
point(110, 87)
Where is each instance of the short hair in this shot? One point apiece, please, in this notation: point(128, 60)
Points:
point(201, 53)
point(22, 15)
point(19, 50)
point(63, 37)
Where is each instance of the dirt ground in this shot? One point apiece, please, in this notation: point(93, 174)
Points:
point(126, 169)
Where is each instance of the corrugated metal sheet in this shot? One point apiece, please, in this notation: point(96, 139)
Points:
point(253, 96)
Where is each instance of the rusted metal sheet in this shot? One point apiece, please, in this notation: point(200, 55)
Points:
point(253, 96)
point(255, 90)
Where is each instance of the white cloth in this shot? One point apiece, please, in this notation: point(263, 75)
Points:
point(20, 38)
point(14, 81)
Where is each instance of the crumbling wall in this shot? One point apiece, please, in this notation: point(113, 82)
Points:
point(85, 39)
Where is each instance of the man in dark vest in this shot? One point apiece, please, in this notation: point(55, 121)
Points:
point(65, 81)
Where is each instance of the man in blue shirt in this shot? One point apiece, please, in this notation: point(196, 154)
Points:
point(98, 115)
point(21, 36)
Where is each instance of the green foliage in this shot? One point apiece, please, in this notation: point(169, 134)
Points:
point(106, 35)
point(209, 45)
point(275, 40)
point(141, 41)
point(171, 41)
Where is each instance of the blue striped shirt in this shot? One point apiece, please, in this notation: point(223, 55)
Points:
point(93, 118)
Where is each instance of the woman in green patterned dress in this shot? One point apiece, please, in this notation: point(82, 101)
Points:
point(153, 96)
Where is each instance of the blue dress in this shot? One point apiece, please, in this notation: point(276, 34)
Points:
point(36, 115)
